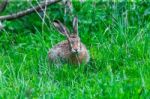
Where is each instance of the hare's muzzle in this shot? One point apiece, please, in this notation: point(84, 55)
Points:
point(75, 51)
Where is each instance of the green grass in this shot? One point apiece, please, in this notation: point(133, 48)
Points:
point(117, 36)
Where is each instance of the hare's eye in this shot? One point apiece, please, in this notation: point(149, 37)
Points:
point(72, 42)
point(80, 46)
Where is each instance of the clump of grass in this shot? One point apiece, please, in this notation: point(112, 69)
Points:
point(117, 36)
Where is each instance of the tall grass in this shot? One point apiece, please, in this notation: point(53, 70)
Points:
point(116, 35)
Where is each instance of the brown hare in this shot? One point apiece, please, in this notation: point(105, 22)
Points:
point(71, 50)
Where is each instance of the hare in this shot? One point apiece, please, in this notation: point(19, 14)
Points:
point(71, 50)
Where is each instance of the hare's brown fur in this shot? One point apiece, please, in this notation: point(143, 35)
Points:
point(61, 52)
point(71, 50)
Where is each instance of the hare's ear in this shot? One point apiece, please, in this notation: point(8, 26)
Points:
point(61, 28)
point(75, 25)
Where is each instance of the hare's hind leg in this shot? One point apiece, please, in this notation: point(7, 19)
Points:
point(54, 60)
point(87, 57)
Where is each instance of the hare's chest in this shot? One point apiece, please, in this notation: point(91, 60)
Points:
point(76, 59)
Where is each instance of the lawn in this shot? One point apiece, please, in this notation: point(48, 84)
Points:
point(117, 35)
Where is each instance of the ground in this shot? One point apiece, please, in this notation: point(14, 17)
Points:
point(116, 35)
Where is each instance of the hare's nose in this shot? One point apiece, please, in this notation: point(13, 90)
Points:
point(76, 50)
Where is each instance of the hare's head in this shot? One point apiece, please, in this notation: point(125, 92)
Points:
point(73, 38)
